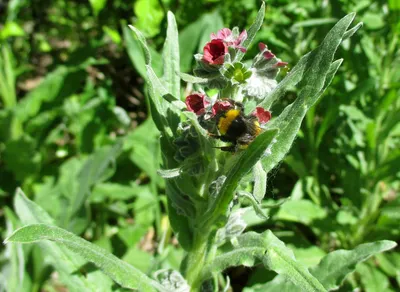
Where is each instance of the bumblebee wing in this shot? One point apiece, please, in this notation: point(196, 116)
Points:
point(253, 126)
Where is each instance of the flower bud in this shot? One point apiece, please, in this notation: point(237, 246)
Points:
point(197, 103)
point(265, 68)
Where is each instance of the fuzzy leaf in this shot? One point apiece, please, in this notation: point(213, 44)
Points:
point(120, 271)
point(169, 173)
point(64, 261)
point(251, 34)
point(335, 266)
point(171, 58)
point(289, 122)
point(93, 171)
point(137, 49)
point(252, 246)
point(241, 167)
point(193, 79)
point(311, 76)
point(280, 259)
point(260, 182)
point(142, 41)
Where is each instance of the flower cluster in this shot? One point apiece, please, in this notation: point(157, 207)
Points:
point(214, 51)
point(222, 69)
point(200, 104)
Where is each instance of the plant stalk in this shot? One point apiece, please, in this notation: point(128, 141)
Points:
point(196, 262)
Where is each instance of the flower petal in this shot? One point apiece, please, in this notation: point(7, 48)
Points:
point(262, 115)
point(197, 103)
point(222, 105)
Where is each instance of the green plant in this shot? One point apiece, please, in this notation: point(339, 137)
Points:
point(205, 186)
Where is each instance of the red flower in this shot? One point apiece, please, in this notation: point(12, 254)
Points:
point(230, 39)
point(223, 105)
point(269, 55)
point(214, 52)
point(197, 103)
point(262, 115)
point(266, 53)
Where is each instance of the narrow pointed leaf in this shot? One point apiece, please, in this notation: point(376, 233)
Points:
point(309, 74)
point(289, 122)
point(280, 259)
point(260, 182)
point(142, 41)
point(251, 247)
point(65, 262)
point(121, 272)
point(136, 53)
point(246, 161)
point(251, 34)
point(169, 173)
point(171, 58)
point(335, 266)
point(193, 79)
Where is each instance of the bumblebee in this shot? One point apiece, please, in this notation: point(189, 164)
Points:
point(236, 128)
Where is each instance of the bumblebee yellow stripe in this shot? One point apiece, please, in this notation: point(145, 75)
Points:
point(226, 121)
point(257, 129)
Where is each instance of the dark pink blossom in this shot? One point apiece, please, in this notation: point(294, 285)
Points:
point(266, 53)
point(197, 103)
point(222, 105)
point(230, 39)
point(281, 64)
point(262, 115)
point(214, 52)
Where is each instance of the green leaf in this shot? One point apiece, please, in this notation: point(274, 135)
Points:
point(335, 266)
point(94, 170)
point(193, 79)
point(169, 173)
point(139, 53)
point(13, 266)
point(149, 15)
point(21, 157)
point(65, 262)
point(280, 259)
point(120, 271)
point(260, 182)
point(249, 248)
point(114, 192)
point(303, 211)
point(159, 94)
point(113, 34)
point(279, 283)
point(11, 29)
point(59, 84)
point(252, 246)
point(289, 122)
point(313, 22)
point(171, 58)
point(244, 163)
point(138, 258)
point(179, 222)
point(7, 77)
point(373, 279)
point(142, 41)
point(97, 5)
point(145, 149)
point(373, 21)
point(310, 73)
point(251, 34)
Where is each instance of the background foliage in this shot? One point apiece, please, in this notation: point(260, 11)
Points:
point(75, 134)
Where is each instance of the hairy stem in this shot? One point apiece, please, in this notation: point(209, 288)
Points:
point(196, 261)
